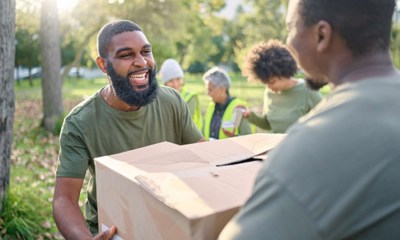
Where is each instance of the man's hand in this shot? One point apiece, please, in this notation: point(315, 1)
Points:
point(229, 133)
point(245, 111)
point(106, 235)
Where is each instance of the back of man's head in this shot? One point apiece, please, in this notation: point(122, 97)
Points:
point(108, 31)
point(365, 25)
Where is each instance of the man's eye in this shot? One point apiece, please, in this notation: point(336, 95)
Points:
point(126, 55)
point(147, 51)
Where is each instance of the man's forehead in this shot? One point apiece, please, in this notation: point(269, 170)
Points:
point(132, 39)
point(134, 36)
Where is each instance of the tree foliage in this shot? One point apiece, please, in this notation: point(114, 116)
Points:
point(191, 31)
point(265, 20)
point(27, 46)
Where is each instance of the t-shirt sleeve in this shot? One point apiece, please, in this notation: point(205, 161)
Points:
point(260, 121)
point(270, 213)
point(73, 160)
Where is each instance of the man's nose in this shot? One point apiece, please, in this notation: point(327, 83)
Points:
point(140, 61)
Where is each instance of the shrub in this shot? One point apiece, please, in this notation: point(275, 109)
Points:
point(24, 215)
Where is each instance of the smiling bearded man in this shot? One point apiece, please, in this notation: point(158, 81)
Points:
point(131, 112)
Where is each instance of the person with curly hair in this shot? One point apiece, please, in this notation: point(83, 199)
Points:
point(286, 98)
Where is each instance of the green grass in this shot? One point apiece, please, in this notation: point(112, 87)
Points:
point(26, 211)
point(72, 88)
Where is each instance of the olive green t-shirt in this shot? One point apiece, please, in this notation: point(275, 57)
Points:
point(335, 175)
point(93, 129)
point(282, 109)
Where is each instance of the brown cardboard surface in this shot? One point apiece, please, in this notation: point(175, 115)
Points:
point(167, 191)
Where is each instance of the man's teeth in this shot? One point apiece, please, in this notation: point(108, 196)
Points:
point(138, 76)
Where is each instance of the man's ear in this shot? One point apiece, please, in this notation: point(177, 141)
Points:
point(102, 64)
point(324, 31)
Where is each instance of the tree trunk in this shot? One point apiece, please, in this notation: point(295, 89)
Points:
point(51, 65)
point(30, 76)
point(7, 55)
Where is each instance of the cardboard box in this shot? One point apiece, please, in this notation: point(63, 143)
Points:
point(168, 191)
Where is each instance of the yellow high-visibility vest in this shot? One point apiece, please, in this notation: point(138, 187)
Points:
point(196, 116)
point(227, 116)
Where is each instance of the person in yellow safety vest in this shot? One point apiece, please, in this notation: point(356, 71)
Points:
point(223, 117)
point(172, 76)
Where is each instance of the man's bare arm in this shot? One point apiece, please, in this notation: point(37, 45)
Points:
point(67, 214)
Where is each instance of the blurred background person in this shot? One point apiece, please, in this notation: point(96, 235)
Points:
point(286, 98)
point(223, 118)
point(172, 76)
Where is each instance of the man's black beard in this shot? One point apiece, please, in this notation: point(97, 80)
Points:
point(313, 84)
point(124, 90)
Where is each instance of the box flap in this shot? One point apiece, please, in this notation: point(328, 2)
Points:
point(235, 149)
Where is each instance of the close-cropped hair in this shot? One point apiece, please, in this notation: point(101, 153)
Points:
point(218, 77)
point(269, 59)
point(108, 31)
point(365, 25)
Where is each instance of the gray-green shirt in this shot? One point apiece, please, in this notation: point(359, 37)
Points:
point(283, 108)
point(336, 175)
point(94, 129)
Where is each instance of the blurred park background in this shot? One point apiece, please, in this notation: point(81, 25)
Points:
point(199, 34)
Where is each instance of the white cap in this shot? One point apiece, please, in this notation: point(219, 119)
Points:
point(170, 69)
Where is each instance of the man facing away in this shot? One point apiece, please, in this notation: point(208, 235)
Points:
point(132, 111)
point(336, 174)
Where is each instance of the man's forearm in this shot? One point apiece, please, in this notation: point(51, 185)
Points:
point(70, 221)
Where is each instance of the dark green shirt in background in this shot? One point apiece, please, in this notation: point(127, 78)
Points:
point(282, 109)
point(335, 175)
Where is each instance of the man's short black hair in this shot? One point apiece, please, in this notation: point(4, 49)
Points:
point(269, 59)
point(108, 31)
point(365, 25)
